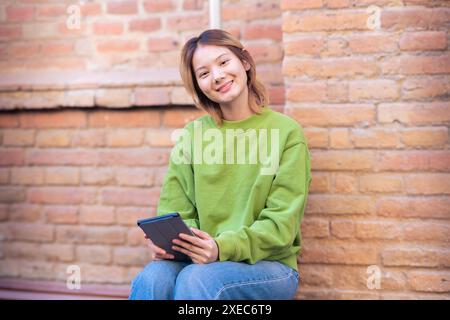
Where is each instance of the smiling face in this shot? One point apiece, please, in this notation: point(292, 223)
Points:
point(219, 73)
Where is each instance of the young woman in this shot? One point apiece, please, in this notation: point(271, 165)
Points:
point(239, 179)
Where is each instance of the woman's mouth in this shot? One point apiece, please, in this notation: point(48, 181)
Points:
point(225, 88)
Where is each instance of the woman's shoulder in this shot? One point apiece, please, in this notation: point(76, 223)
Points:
point(287, 125)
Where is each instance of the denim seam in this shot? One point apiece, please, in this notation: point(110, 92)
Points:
point(228, 286)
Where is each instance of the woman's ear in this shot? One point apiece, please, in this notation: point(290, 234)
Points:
point(246, 65)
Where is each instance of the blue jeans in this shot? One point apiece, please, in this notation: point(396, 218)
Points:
point(168, 280)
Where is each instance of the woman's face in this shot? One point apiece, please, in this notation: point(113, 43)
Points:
point(220, 74)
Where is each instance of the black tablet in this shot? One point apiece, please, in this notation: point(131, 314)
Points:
point(163, 229)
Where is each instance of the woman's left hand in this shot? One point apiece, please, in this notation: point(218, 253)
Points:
point(201, 249)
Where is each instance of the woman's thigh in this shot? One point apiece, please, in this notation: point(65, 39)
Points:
point(156, 281)
point(264, 280)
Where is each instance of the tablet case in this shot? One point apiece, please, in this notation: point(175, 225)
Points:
point(163, 229)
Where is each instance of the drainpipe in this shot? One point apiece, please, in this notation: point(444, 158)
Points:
point(214, 14)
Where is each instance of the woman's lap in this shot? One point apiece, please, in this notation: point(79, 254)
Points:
point(218, 280)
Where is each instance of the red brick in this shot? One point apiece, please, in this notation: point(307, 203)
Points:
point(129, 215)
point(427, 183)
point(316, 138)
point(99, 215)
point(373, 90)
point(409, 160)
point(334, 4)
point(151, 96)
point(178, 118)
point(307, 91)
point(110, 235)
point(193, 4)
point(134, 157)
point(90, 138)
point(374, 138)
point(309, 45)
point(24, 212)
point(343, 229)
point(429, 281)
point(425, 87)
point(104, 274)
point(32, 232)
point(384, 230)
point(122, 7)
point(61, 214)
point(262, 53)
point(373, 43)
point(130, 196)
point(62, 195)
point(18, 138)
point(340, 139)
point(16, 13)
point(151, 6)
point(251, 11)
point(12, 157)
point(425, 137)
point(12, 194)
point(53, 119)
point(125, 256)
point(343, 160)
point(51, 11)
point(414, 207)
point(320, 183)
point(125, 138)
point(53, 139)
point(316, 276)
point(315, 228)
point(62, 157)
point(135, 177)
point(414, 256)
point(339, 253)
point(24, 50)
point(300, 5)
point(412, 65)
point(90, 9)
point(9, 120)
point(130, 119)
point(145, 25)
point(330, 68)
point(111, 46)
point(325, 115)
point(94, 254)
point(186, 22)
point(27, 176)
point(344, 183)
point(415, 113)
point(339, 204)
point(344, 20)
point(402, 18)
point(380, 183)
point(423, 41)
point(97, 176)
point(10, 32)
point(107, 28)
point(276, 95)
point(62, 176)
point(262, 31)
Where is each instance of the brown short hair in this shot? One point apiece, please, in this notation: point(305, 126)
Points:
point(258, 96)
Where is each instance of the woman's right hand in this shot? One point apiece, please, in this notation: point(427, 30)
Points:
point(157, 252)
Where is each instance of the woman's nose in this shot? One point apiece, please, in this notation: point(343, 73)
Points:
point(217, 75)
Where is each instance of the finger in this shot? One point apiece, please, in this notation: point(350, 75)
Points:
point(188, 246)
point(194, 240)
point(200, 233)
point(191, 254)
point(158, 250)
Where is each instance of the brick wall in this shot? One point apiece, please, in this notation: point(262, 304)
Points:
point(86, 117)
point(374, 105)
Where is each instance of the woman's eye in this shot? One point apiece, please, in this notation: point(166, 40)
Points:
point(224, 62)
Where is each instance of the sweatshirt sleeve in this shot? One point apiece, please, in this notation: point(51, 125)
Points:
point(278, 224)
point(177, 192)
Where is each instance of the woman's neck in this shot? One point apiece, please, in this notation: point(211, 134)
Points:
point(239, 109)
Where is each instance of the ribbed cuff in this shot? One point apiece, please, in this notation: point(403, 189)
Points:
point(227, 248)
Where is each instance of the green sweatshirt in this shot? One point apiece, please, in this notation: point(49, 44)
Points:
point(245, 183)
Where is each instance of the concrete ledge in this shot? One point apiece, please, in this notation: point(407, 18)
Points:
point(22, 289)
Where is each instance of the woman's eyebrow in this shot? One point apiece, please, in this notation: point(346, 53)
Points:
point(214, 60)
